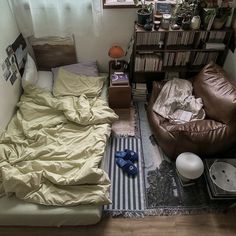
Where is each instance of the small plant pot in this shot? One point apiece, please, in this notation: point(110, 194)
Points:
point(143, 17)
point(186, 25)
point(179, 20)
point(218, 23)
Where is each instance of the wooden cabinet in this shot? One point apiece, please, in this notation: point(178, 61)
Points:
point(158, 52)
point(119, 95)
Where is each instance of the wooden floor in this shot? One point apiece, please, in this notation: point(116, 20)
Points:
point(199, 225)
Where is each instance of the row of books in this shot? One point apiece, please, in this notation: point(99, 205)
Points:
point(202, 58)
point(202, 37)
point(149, 38)
point(180, 38)
point(216, 36)
point(148, 63)
point(176, 59)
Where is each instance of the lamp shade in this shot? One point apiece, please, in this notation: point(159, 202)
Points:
point(189, 165)
point(116, 52)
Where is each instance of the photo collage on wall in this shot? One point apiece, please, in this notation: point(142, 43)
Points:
point(13, 66)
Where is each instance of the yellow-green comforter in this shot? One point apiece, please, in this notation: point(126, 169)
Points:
point(52, 149)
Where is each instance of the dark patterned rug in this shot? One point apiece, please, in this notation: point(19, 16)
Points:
point(166, 196)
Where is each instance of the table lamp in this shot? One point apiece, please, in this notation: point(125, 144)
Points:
point(116, 52)
point(189, 167)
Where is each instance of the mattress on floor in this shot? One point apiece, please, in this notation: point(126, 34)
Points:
point(17, 212)
point(104, 93)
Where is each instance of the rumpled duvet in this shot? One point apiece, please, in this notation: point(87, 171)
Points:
point(177, 103)
point(51, 151)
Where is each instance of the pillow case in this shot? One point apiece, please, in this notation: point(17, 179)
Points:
point(30, 75)
point(87, 68)
point(71, 84)
point(45, 80)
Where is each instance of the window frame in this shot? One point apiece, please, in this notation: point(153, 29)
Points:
point(118, 5)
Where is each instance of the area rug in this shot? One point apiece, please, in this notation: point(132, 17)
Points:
point(125, 126)
point(156, 190)
point(126, 193)
point(164, 193)
point(166, 196)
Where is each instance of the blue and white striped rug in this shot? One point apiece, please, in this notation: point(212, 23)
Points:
point(127, 193)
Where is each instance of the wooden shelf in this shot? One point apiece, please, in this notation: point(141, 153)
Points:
point(185, 49)
point(140, 29)
point(149, 49)
point(174, 69)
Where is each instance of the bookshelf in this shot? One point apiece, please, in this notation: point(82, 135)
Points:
point(160, 51)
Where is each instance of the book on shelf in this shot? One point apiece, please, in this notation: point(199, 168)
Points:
point(218, 46)
point(119, 78)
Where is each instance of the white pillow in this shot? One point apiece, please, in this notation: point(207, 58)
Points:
point(30, 75)
point(45, 80)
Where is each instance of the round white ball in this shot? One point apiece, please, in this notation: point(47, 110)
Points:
point(189, 165)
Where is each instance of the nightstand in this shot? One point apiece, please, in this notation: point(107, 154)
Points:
point(119, 94)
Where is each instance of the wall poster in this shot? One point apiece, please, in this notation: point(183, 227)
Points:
point(13, 66)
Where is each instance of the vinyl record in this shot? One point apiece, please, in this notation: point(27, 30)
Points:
point(223, 175)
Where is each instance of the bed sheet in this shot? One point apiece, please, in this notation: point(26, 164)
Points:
point(15, 212)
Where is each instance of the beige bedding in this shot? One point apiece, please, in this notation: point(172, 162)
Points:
point(51, 151)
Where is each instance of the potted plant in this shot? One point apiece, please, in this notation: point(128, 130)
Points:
point(222, 14)
point(145, 12)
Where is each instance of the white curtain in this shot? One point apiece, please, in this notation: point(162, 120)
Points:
point(42, 18)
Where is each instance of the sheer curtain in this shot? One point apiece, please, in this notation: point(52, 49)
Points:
point(42, 18)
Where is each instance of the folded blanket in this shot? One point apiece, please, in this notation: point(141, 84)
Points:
point(176, 102)
point(51, 151)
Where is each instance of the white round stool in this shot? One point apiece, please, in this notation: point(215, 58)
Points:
point(189, 167)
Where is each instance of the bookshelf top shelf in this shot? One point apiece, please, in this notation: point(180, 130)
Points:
point(140, 29)
point(154, 48)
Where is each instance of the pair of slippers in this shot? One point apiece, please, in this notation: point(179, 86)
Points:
point(125, 160)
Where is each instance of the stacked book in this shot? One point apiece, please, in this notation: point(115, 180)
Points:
point(139, 92)
point(119, 78)
point(218, 46)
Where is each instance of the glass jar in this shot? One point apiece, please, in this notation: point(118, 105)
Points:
point(165, 23)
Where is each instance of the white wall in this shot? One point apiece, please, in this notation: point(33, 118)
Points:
point(9, 94)
point(117, 27)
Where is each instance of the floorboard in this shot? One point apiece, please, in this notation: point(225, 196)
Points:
point(207, 224)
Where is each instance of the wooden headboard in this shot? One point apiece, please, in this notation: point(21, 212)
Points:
point(52, 52)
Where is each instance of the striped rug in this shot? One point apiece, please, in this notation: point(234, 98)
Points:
point(127, 193)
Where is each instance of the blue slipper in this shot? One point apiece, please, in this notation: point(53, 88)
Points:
point(127, 166)
point(127, 155)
